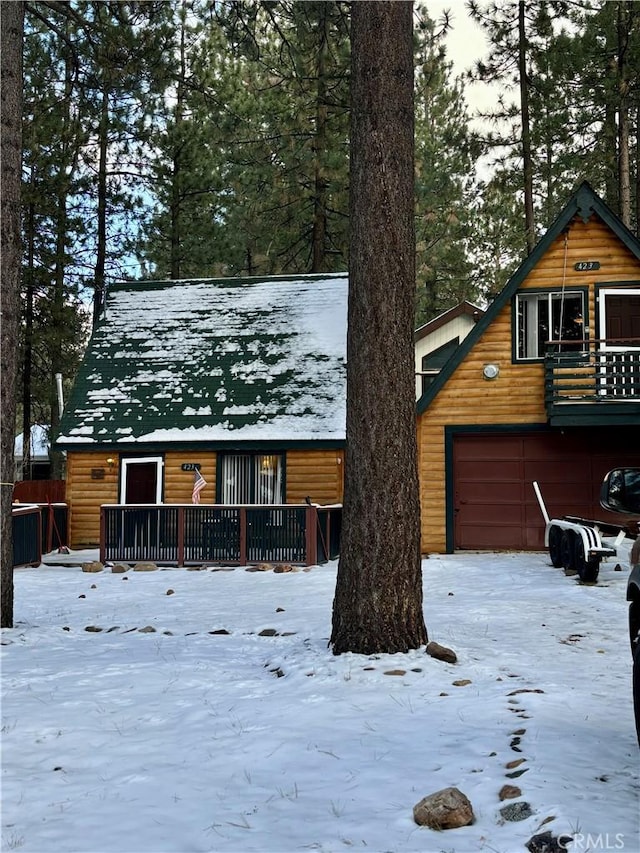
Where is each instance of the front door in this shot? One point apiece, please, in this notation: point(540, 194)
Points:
point(141, 480)
point(620, 326)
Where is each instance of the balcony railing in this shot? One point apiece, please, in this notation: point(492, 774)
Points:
point(186, 534)
point(600, 372)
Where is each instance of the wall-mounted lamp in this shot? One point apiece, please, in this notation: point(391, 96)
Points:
point(111, 462)
point(491, 371)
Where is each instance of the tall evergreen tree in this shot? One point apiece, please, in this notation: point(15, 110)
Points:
point(11, 30)
point(378, 600)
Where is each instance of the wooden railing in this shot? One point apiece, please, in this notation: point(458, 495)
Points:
point(187, 534)
point(600, 371)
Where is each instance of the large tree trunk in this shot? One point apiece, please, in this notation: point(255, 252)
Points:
point(529, 220)
point(11, 29)
point(378, 599)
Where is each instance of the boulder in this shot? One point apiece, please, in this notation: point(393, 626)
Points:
point(92, 566)
point(145, 567)
point(445, 809)
point(435, 650)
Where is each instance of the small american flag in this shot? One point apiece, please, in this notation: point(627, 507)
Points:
point(199, 483)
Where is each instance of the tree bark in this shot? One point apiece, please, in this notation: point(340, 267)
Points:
point(527, 164)
point(378, 599)
point(11, 30)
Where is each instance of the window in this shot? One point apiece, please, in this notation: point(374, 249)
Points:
point(544, 317)
point(251, 478)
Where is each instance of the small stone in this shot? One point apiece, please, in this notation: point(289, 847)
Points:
point(545, 842)
point(445, 809)
point(511, 765)
point(515, 774)
point(118, 569)
point(92, 566)
point(435, 650)
point(462, 682)
point(509, 792)
point(220, 631)
point(93, 629)
point(93, 586)
point(268, 632)
point(279, 570)
point(514, 812)
point(279, 609)
point(148, 629)
point(82, 595)
point(395, 672)
point(171, 592)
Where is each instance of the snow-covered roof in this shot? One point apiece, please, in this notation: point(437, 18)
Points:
point(211, 360)
point(39, 449)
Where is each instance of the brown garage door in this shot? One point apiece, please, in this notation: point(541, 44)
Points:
point(494, 505)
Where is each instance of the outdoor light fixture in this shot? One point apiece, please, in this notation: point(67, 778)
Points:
point(111, 462)
point(490, 371)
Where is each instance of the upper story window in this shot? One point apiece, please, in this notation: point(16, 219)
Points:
point(251, 478)
point(550, 316)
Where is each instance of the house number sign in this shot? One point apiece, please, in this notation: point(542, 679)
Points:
point(586, 266)
point(190, 466)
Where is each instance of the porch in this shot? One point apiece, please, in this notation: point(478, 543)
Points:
point(187, 534)
point(593, 383)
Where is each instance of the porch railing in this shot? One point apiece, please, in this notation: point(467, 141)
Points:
point(599, 371)
point(187, 534)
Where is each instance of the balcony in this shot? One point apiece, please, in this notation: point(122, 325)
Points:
point(595, 383)
point(184, 534)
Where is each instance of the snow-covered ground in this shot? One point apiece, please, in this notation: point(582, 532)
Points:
point(178, 711)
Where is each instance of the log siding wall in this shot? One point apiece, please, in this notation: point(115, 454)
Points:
point(517, 396)
point(316, 473)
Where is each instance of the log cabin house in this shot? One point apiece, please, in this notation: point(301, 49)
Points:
point(244, 380)
point(241, 380)
point(546, 387)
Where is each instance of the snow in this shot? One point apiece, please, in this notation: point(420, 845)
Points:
point(180, 739)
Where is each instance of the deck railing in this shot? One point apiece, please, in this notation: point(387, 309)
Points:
point(187, 534)
point(599, 371)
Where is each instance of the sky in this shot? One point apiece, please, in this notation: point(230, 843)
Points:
point(179, 711)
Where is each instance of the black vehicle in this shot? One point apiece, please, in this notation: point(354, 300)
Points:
point(621, 493)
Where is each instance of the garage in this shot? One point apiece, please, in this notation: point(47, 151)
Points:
point(494, 506)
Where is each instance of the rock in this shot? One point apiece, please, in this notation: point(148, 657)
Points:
point(171, 592)
point(462, 682)
point(93, 629)
point(282, 568)
point(435, 650)
point(145, 567)
point(92, 566)
point(395, 672)
point(514, 812)
point(445, 809)
point(545, 842)
point(148, 629)
point(509, 792)
point(268, 632)
point(119, 569)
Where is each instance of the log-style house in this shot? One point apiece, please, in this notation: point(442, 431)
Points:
point(546, 387)
point(241, 380)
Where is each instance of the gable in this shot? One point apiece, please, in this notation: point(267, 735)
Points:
point(210, 360)
point(583, 207)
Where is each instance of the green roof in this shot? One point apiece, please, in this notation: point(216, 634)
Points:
point(211, 360)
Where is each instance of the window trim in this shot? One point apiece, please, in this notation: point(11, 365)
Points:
point(581, 290)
